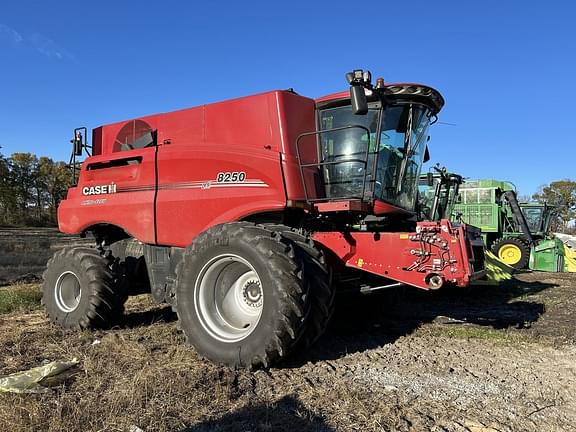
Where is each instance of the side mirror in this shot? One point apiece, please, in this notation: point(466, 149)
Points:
point(78, 148)
point(78, 143)
point(430, 179)
point(359, 80)
point(358, 99)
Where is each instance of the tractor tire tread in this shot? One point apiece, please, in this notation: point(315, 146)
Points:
point(287, 327)
point(322, 291)
point(106, 301)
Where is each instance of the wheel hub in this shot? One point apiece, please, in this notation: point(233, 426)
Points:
point(228, 298)
point(252, 293)
point(510, 254)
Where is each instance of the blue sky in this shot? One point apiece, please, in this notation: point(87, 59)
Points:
point(506, 69)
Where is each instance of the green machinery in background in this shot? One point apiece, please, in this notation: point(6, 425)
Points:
point(518, 234)
point(437, 194)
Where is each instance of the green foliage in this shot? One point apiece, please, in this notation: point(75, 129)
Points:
point(562, 194)
point(19, 298)
point(31, 188)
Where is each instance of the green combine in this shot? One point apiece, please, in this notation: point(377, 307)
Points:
point(518, 234)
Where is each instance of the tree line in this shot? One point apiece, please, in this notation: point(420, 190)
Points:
point(31, 188)
point(562, 195)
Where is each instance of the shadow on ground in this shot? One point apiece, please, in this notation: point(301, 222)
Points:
point(149, 317)
point(370, 321)
point(364, 322)
point(287, 414)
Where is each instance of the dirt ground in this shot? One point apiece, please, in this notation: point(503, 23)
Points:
point(482, 359)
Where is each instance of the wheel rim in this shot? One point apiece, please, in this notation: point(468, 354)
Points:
point(510, 254)
point(67, 292)
point(228, 298)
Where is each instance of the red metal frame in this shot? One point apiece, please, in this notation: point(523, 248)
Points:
point(342, 206)
point(398, 255)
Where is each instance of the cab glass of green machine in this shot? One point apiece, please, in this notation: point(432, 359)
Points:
point(533, 217)
point(379, 156)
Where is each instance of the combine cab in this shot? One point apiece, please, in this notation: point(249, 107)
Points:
point(245, 216)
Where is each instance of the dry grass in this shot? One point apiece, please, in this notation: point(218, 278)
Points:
point(488, 334)
point(140, 375)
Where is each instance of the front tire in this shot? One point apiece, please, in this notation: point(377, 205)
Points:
point(241, 297)
point(80, 289)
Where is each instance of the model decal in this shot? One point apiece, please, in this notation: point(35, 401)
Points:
point(231, 177)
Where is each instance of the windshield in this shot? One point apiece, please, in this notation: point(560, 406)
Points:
point(390, 143)
point(533, 216)
point(401, 153)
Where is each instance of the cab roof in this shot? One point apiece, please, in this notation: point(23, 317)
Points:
point(417, 92)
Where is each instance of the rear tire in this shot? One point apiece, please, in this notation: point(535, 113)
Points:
point(81, 290)
point(241, 297)
point(512, 251)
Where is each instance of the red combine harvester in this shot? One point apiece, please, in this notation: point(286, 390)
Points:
point(245, 216)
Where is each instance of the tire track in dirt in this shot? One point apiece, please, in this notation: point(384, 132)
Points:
point(423, 382)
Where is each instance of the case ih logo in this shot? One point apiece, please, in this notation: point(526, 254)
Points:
point(99, 189)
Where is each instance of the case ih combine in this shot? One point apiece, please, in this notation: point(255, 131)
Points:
point(246, 215)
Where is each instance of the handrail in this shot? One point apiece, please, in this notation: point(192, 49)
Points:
point(320, 164)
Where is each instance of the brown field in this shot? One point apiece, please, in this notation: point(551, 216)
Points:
point(479, 360)
point(25, 251)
